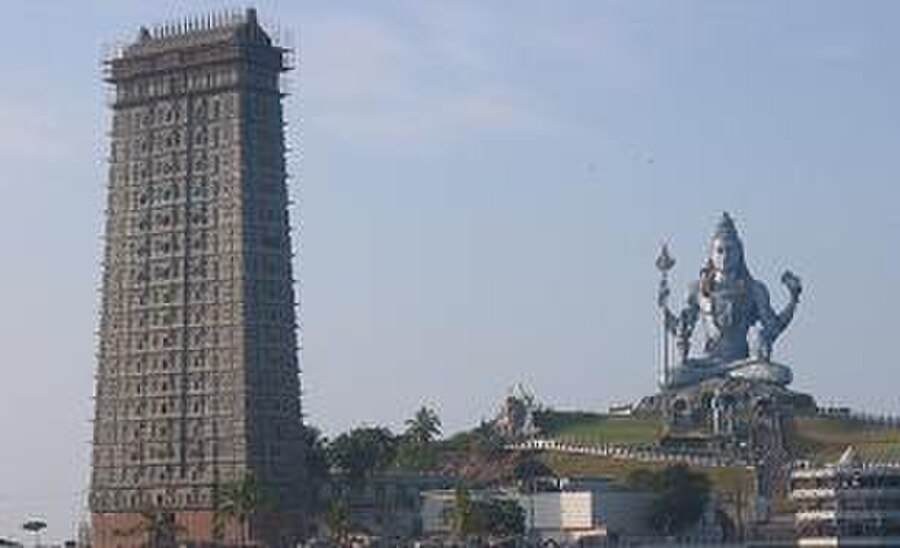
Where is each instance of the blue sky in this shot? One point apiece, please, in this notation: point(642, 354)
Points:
point(483, 189)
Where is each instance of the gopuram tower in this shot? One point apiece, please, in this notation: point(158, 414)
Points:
point(197, 389)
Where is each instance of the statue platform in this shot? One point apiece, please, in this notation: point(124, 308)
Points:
point(696, 400)
point(750, 369)
point(760, 371)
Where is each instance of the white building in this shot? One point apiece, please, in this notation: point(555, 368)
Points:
point(583, 508)
point(849, 503)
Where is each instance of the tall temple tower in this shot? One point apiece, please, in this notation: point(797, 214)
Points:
point(197, 385)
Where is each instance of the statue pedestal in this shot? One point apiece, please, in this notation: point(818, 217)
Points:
point(756, 370)
point(691, 373)
point(751, 369)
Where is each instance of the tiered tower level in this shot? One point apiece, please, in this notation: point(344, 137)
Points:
point(197, 380)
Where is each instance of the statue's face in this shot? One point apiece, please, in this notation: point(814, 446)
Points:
point(726, 254)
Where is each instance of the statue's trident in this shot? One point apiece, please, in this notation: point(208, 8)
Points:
point(664, 263)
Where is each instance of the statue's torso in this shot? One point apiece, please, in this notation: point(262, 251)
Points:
point(727, 311)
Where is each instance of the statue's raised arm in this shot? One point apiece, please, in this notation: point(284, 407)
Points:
point(773, 324)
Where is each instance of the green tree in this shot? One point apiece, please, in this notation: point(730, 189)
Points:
point(681, 496)
point(424, 427)
point(479, 518)
point(316, 468)
point(241, 501)
point(466, 518)
point(643, 479)
point(485, 442)
point(529, 468)
point(337, 521)
point(416, 448)
point(361, 451)
point(503, 518)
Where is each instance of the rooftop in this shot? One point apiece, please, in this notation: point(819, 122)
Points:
point(213, 28)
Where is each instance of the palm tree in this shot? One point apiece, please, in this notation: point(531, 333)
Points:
point(337, 520)
point(241, 501)
point(415, 449)
point(424, 427)
point(464, 518)
point(160, 528)
point(316, 467)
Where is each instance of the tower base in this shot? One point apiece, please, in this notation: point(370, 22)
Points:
point(192, 528)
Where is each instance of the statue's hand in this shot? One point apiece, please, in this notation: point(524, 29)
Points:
point(792, 282)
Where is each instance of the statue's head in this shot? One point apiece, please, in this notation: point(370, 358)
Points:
point(726, 252)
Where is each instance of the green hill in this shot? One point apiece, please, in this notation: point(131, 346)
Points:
point(820, 439)
point(724, 479)
point(477, 455)
point(597, 428)
point(823, 439)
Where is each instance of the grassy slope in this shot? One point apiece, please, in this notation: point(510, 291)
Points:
point(824, 439)
point(598, 428)
point(819, 439)
point(724, 480)
point(595, 428)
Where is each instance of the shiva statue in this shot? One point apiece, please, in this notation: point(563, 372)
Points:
point(730, 304)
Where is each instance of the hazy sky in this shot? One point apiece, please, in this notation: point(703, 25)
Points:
point(483, 189)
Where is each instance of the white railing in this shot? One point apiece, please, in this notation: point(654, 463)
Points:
point(625, 452)
point(868, 419)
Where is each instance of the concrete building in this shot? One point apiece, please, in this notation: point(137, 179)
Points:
point(583, 509)
point(197, 381)
point(388, 505)
point(849, 503)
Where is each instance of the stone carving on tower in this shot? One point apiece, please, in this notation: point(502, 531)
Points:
point(730, 305)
